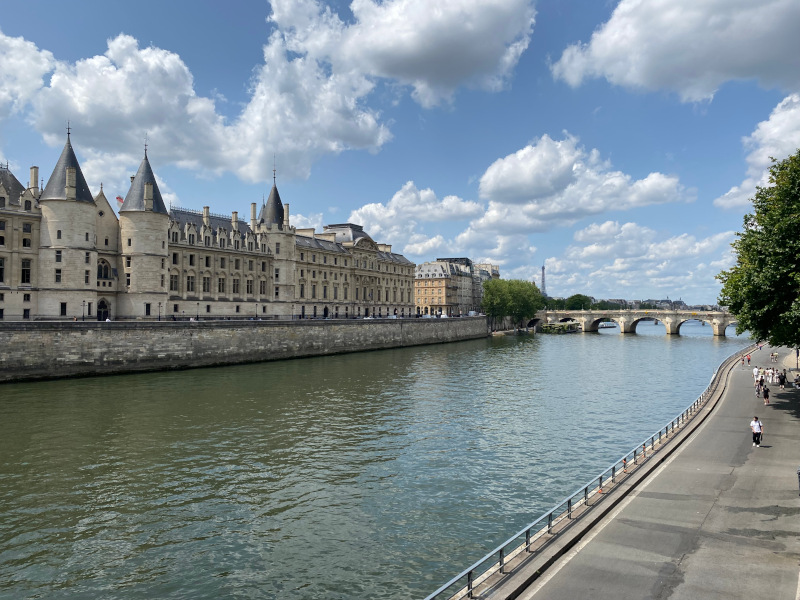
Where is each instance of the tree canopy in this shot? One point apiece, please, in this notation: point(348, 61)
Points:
point(578, 302)
point(514, 298)
point(763, 288)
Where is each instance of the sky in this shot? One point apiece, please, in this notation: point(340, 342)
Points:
point(616, 143)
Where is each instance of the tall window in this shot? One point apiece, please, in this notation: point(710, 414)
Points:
point(2, 270)
point(249, 286)
point(207, 284)
point(25, 272)
point(277, 248)
point(262, 288)
point(190, 283)
point(236, 286)
point(221, 285)
point(173, 283)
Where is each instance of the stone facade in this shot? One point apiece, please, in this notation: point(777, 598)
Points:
point(451, 286)
point(47, 350)
point(64, 254)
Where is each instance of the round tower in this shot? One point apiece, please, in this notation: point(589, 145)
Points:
point(67, 240)
point(144, 226)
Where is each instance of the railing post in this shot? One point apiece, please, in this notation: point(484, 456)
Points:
point(549, 521)
point(613, 473)
point(528, 540)
point(502, 559)
point(635, 458)
point(469, 585)
point(569, 508)
point(586, 495)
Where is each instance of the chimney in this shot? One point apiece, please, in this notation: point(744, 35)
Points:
point(235, 221)
point(148, 196)
point(69, 190)
point(206, 216)
point(253, 206)
point(35, 179)
point(286, 215)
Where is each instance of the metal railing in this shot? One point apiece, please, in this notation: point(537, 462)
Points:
point(535, 535)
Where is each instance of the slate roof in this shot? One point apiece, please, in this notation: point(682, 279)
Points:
point(134, 200)
point(347, 232)
point(216, 222)
point(12, 185)
point(56, 185)
point(272, 212)
point(318, 244)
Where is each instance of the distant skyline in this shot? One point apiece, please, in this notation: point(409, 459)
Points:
point(617, 143)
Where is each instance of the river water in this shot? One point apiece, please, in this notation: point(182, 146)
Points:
point(370, 475)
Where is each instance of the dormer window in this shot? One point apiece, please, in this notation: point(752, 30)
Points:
point(27, 204)
point(191, 238)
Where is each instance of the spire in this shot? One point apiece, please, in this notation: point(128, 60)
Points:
point(56, 185)
point(272, 211)
point(135, 199)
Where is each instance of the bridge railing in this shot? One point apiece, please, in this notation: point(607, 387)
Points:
point(535, 536)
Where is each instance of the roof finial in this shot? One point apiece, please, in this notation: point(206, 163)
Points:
point(68, 128)
point(273, 169)
point(145, 144)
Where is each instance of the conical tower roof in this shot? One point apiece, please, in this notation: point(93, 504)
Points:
point(272, 211)
point(134, 201)
point(56, 185)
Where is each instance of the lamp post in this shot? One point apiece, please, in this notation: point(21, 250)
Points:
point(197, 314)
point(159, 311)
point(255, 315)
point(83, 310)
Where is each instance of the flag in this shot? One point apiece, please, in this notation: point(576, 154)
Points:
point(119, 201)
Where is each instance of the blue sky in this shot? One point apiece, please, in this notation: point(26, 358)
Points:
point(617, 143)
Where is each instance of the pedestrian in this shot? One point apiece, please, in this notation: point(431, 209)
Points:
point(758, 431)
point(755, 371)
point(765, 394)
point(748, 360)
point(743, 361)
point(782, 380)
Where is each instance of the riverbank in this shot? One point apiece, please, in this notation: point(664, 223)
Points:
point(52, 350)
point(718, 496)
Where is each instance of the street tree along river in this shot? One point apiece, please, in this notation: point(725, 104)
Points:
point(763, 288)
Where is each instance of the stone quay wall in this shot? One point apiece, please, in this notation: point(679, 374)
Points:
point(50, 350)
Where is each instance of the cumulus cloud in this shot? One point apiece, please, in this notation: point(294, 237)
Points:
point(552, 182)
point(22, 71)
point(397, 220)
point(777, 137)
point(313, 220)
point(434, 49)
point(619, 260)
point(690, 47)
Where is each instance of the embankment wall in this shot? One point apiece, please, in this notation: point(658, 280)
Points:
point(47, 350)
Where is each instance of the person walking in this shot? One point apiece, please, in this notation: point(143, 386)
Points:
point(765, 395)
point(758, 430)
point(782, 380)
point(748, 360)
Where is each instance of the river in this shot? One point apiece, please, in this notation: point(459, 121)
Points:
point(370, 475)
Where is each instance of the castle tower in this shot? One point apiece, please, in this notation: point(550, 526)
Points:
point(273, 221)
point(144, 226)
point(67, 241)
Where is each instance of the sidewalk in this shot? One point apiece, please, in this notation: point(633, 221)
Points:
point(720, 519)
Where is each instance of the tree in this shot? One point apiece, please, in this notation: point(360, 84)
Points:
point(514, 298)
point(578, 302)
point(495, 301)
point(763, 288)
point(524, 300)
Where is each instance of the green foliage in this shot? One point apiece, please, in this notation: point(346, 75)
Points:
point(606, 305)
point(763, 288)
point(578, 302)
point(647, 306)
point(514, 298)
point(555, 303)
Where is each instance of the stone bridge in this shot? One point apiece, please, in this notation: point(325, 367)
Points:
point(628, 319)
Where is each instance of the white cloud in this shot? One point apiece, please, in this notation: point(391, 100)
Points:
point(778, 137)
point(622, 260)
point(690, 47)
point(22, 70)
point(397, 220)
point(304, 222)
point(433, 48)
point(554, 182)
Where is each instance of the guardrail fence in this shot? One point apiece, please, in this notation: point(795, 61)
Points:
point(536, 535)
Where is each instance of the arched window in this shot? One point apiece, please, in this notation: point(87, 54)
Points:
point(27, 204)
point(103, 270)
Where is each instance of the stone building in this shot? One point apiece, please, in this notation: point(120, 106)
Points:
point(451, 286)
point(65, 254)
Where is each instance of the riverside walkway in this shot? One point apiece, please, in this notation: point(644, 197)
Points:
point(718, 519)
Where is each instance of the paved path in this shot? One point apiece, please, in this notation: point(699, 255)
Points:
point(720, 519)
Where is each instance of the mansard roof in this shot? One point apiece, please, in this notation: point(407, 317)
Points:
point(12, 186)
point(134, 200)
point(272, 212)
point(56, 185)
